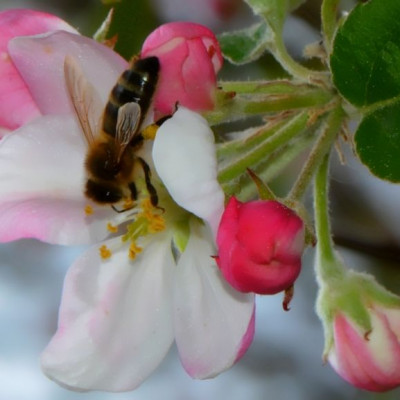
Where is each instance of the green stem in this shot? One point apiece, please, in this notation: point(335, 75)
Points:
point(327, 265)
point(241, 145)
point(294, 127)
point(329, 20)
point(256, 87)
point(269, 168)
point(282, 86)
point(243, 106)
point(290, 65)
point(284, 102)
point(329, 133)
point(321, 208)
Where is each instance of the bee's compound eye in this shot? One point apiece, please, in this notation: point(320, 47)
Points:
point(103, 192)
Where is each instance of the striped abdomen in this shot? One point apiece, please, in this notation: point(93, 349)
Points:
point(137, 85)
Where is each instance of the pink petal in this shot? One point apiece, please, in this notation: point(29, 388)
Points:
point(172, 30)
point(214, 324)
point(40, 60)
point(248, 336)
point(41, 184)
point(205, 89)
point(179, 78)
point(16, 104)
point(371, 364)
point(115, 323)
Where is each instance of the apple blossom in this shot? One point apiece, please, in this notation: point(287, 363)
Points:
point(260, 244)
point(16, 103)
point(190, 58)
point(149, 277)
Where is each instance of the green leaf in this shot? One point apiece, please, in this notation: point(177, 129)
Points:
point(378, 142)
point(273, 11)
point(264, 191)
point(366, 53)
point(245, 45)
point(365, 64)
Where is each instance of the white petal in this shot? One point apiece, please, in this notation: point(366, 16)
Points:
point(213, 322)
point(184, 158)
point(41, 184)
point(40, 61)
point(115, 323)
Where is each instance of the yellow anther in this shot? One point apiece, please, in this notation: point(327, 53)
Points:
point(150, 132)
point(146, 220)
point(105, 252)
point(128, 204)
point(157, 224)
point(89, 210)
point(146, 206)
point(112, 228)
point(134, 249)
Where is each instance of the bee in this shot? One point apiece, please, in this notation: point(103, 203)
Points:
point(115, 137)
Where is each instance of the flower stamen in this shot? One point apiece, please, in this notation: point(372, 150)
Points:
point(128, 204)
point(89, 210)
point(134, 249)
point(105, 252)
point(157, 224)
point(112, 228)
point(145, 220)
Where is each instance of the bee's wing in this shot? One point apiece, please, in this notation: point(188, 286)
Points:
point(127, 125)
point(85, 99)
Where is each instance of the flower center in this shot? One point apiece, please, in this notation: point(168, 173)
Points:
point(142, 221)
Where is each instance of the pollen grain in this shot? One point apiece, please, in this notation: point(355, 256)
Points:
point(150, 132)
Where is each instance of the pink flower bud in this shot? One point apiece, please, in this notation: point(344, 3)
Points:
point(260, 246)
point(190, 58)
point(368, 360)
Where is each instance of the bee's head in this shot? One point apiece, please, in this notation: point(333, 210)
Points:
point(103, 192)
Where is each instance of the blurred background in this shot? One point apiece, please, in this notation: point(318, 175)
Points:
point(284, 361)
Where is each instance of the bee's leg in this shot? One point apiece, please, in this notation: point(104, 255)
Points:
point(147, 176)
point(137, 141)
point(133, 190)
point(118, 211)
point(160, 121)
